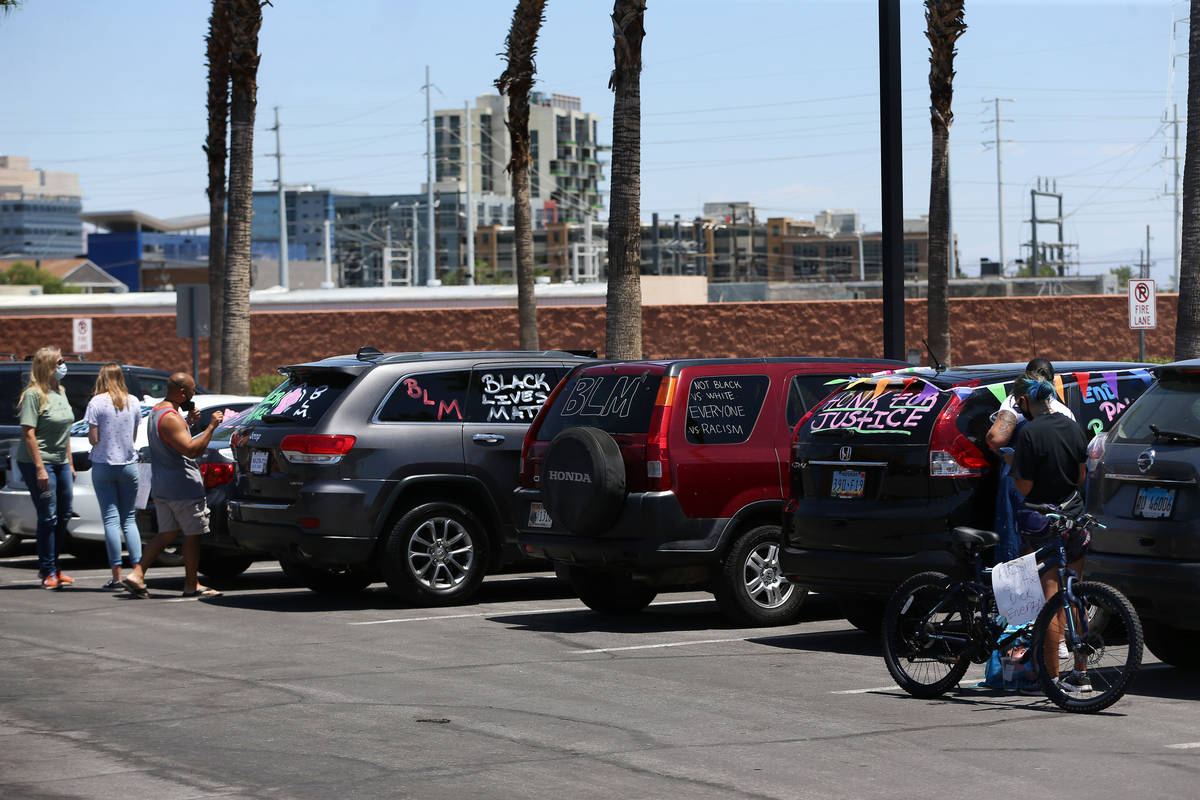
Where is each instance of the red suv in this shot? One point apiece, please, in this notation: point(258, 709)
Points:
point(649, 475)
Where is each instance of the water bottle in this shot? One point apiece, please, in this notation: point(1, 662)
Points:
point(1007, 668)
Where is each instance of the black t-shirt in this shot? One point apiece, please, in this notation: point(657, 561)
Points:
point(1048, 451)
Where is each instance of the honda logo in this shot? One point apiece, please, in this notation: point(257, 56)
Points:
point(1145, 460)
point(844, 453)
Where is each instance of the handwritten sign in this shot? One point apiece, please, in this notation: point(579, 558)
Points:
point(446, 408)
point(513, 396)
point(1019, 595)
point(603, 395)
point(902, 412)
point(722, 409)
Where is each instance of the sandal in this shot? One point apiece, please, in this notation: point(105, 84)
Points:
point(136, 589)
point(203, 592)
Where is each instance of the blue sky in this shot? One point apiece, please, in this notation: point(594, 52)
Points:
point(775, 103)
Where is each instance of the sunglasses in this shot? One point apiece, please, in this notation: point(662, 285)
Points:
point(62, 361)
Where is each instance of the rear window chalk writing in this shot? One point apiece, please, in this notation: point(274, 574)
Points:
point(516, 397)
point(587, 399)
point(723, 409)
point(890, 412)
point(444, 409)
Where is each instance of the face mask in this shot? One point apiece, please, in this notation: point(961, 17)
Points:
point(188, 406)
point(60, 372)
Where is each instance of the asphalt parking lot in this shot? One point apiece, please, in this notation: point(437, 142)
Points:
point(272, 691)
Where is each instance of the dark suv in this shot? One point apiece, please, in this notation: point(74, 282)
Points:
point(883, 470)
point(1144, 483)
point(651, 475)
point(79, 383)
point(399, 466)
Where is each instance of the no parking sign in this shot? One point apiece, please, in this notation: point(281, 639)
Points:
point(82, 340)
point(1141, 305)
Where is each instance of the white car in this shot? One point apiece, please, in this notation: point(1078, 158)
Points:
point(86, 527)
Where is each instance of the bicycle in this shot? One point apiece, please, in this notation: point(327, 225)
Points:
point(935, 626)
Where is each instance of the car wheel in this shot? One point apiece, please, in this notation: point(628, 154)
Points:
point(583, 480)
point(171, 556)
point(864, 613)
point(750, 589)
point(9, 542)
point(327, 580)
point(224, 567)
point(1175, 646)
point(436, 555)
point(610, 593)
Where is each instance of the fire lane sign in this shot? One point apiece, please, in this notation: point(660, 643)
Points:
point(1141, 305)
point(82, 339)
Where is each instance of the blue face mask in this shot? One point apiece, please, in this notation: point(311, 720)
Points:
point(60, 371)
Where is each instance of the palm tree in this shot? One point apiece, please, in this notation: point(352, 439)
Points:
point(516, 81)
point(8, 5)
point(1187, 324)
point(220, 35)
point(943, 25)
point(243, 59)
point(623, 318)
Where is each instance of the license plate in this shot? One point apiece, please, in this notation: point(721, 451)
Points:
point(258, 461)
point(538, 518)
point(1154, 503)
point(848, 483)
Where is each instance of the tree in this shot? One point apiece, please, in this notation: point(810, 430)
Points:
point(1122, 273)
point(943, 25)
point(516, 81)
point(1187, 324)
point(220, 37)
point(24, 274)
point(623, 309)
point(246, 19)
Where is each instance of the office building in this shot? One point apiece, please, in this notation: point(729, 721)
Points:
point(39, 210)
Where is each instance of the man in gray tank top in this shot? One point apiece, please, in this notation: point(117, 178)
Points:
point(176, 485)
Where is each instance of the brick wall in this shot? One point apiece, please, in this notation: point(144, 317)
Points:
point(982, 330)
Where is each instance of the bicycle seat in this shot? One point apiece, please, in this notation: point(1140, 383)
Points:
point(973, 537)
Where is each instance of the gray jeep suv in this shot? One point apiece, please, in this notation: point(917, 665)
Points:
point(397, 466)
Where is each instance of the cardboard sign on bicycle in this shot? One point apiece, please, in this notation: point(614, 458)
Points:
point(1018, 591)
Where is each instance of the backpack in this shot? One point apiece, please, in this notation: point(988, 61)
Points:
point(1023, 675)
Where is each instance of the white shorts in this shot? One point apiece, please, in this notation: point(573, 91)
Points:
point(189, 516)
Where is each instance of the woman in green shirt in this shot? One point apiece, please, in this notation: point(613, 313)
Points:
point(45, 459)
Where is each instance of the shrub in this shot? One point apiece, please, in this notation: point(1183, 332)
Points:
point(263, 384)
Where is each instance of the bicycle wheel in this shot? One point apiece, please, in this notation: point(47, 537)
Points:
point(1109, 651)
point(917, 616)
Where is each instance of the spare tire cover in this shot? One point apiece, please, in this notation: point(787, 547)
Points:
point(583, 480)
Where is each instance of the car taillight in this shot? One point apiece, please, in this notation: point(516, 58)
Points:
point(530, 462)
point(315, 448)
point(951, 454)
point(216, 474)
point(1095, 451)
point(658, 463)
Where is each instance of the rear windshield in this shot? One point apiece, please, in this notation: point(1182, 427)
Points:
point(898, 414)
point(611, 402)
point(1171, 405)
point(302, 399)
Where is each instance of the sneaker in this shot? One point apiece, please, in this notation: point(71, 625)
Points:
point(50, 582)
point(1063, 653)
point(64, 579)
point(1075, 682)
point(113, 585)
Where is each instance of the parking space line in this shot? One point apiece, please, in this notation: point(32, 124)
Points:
point(866, 691)
point(1185, 746)
point(502, 613)
point(661, 644)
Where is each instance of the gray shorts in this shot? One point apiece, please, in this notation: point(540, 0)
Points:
point(189, 516)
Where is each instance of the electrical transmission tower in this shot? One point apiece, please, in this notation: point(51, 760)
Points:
point(1048, 253)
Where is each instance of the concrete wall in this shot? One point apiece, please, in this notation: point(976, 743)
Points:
point(983, 330)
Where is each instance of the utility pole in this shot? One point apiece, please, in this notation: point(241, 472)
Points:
point(431, 245)
point(283, 242)
point(470, 200)
point(999, 176)
point(328, 282)
point(891, 163)
point(1175, 230)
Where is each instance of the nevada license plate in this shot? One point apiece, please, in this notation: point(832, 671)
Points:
point(1154, 503)
point(258, 461)
point(848, 483)
point(538, 518)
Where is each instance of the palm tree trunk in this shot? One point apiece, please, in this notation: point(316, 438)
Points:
point(235, 353)
point(623, 318)
point(516, 81)
point(943, 25)
point(1187, 324)
point(938, 302)
point(220, 34)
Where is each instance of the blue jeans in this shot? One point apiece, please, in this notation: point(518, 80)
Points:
point(116, 488)
point(1008, 500)
point(53, 511)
